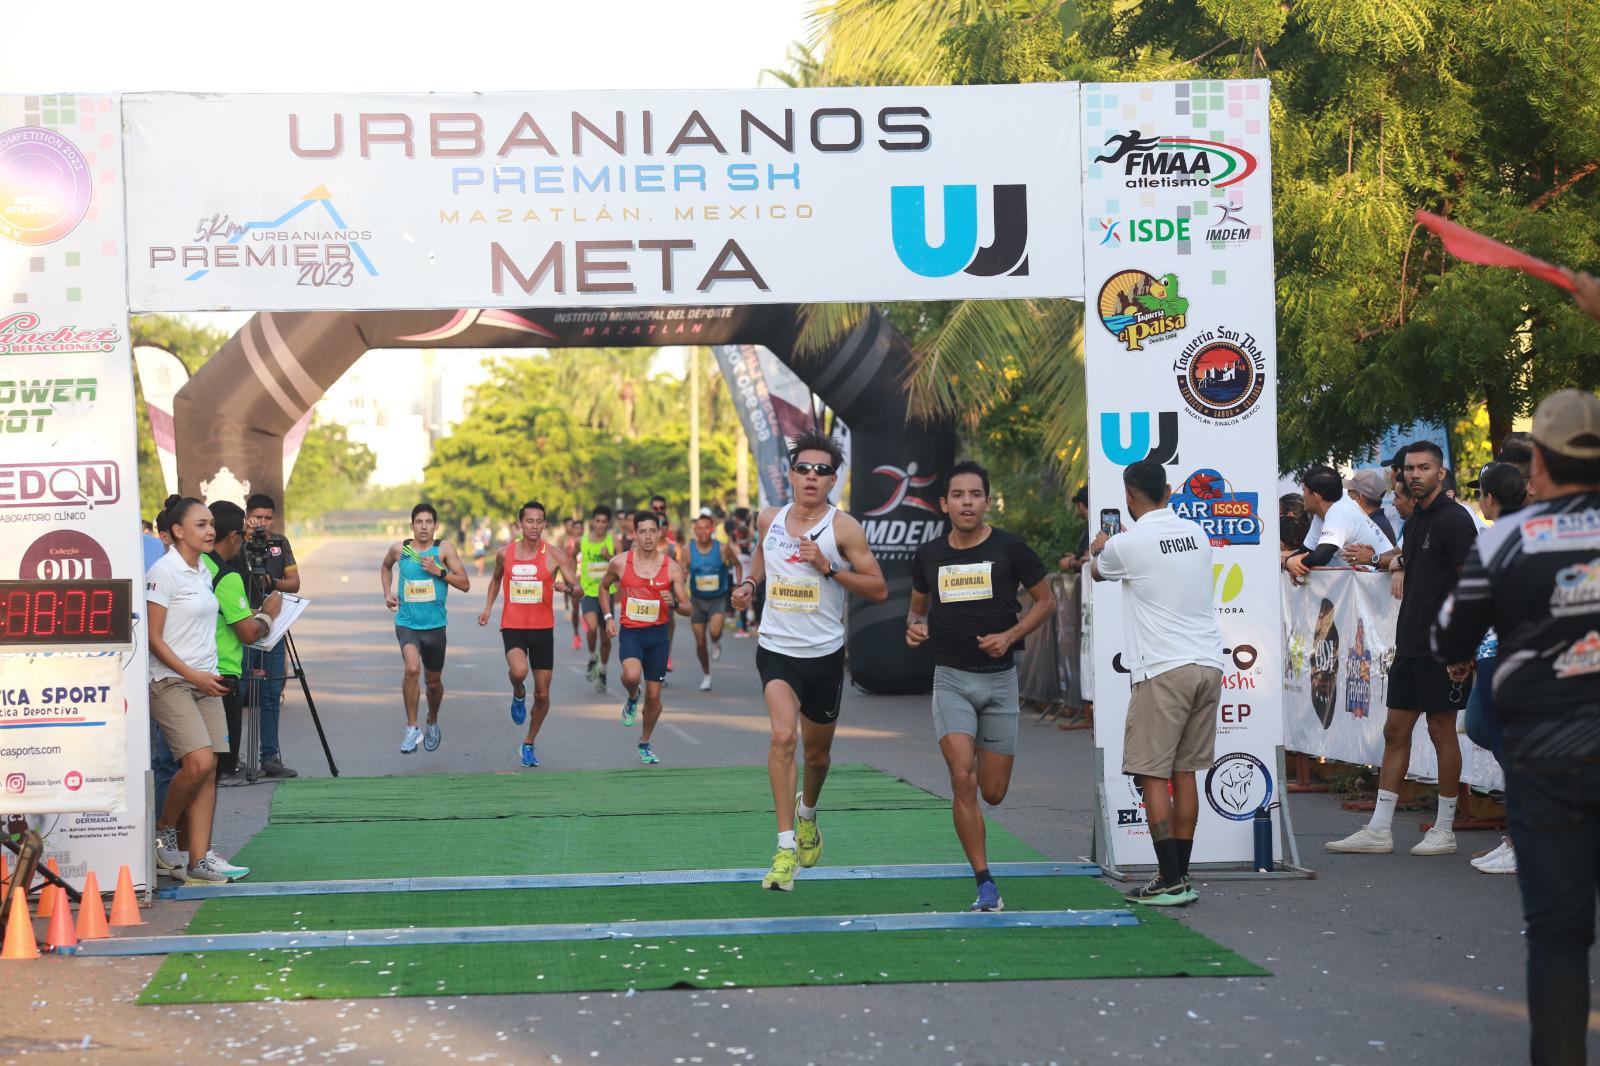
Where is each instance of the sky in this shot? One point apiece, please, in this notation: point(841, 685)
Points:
point(394, 45)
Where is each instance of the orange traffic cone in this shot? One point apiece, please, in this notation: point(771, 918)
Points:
point(19, 943)
point(47, 898)
point(60, 937)
point(92, 911)
point(124, 904)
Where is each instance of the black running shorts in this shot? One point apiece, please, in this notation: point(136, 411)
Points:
point(539, 645)
point(1422, 684)
point(818, 682)
point(429, 644)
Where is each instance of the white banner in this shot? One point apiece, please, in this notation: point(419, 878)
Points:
point(1181, 365)
point(1338, 647)
point(63, 734)
point(69, 492)
point(613, 198)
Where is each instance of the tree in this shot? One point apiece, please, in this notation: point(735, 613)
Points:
point(330, 473)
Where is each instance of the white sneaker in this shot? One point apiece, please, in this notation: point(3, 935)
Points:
point(716, 650)
point(208, 871)
point(1493, 853)
point(234, 871)
point(408, 745)
point(1366, 840)
point(1436, 842)
point(1501, 862)
point(168, 856)
point(705, 683)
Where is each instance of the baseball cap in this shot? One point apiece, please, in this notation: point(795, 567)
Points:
point(706, 512)
point(1568, 423)
point(1371, 484)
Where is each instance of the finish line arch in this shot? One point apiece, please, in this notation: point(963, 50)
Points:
point(231, 417)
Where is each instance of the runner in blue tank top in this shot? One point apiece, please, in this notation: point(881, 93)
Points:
point(429, 569)
point(713, 568)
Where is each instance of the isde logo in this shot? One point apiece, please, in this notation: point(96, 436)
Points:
point(959, 253)
point(1126, 447)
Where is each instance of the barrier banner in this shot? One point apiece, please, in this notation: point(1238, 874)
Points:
point(69, 492)
point(1181, 366)
point(391, 201)
point(1338, 647)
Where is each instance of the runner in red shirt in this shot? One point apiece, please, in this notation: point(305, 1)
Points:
point(529, 572)
point(651, 587)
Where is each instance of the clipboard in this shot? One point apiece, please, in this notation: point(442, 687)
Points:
point(293, 607)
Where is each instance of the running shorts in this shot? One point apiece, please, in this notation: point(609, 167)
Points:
point(650, 645)
point(539, 645)
point(591, 605)
point(429, 644)
point(818, 682)
point(702, 608)
point(187, 718)
point(983, 706)
point(1422, 684)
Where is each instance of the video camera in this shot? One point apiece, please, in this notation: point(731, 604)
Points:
point(257, 551)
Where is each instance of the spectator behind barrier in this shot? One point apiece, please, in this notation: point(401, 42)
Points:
point(1337, 522)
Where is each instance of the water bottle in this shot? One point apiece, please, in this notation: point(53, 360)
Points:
point(1262, 824)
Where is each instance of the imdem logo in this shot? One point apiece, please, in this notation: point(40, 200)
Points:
point(908, 217)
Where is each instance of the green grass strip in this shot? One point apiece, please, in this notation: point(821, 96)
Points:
point(585, 793)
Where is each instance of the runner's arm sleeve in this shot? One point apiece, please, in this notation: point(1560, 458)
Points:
point(1322, 554)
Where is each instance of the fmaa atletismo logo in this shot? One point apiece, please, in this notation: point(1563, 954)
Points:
point(1176, 162)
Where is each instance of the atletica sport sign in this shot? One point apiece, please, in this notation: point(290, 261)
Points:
point(1150, 202)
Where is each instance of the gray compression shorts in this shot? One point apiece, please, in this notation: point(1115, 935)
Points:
point(983, 706)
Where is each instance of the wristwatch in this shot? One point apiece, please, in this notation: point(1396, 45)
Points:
point(830, 571)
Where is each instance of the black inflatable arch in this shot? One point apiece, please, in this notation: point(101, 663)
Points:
point(234, 414)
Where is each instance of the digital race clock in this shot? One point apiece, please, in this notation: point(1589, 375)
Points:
point(48, 614)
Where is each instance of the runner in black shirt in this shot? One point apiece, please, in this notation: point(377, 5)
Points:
point(964, 598)
point(1438, 539)
point(1536, 578)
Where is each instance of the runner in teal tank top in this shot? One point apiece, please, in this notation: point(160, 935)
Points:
point(428, 570)
point(713, 569)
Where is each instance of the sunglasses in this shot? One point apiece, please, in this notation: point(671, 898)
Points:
point(819, 469)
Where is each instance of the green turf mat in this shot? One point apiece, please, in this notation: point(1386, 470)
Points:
point(331, 850)
point(637, 903)
point(639, 790)
point(1159, 947)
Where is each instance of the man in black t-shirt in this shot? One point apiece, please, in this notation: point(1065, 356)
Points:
point(1438, 538)
point(964, 599)
point(283, 574)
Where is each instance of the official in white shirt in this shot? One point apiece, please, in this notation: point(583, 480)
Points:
point(1174, 656)
point(1337, 521)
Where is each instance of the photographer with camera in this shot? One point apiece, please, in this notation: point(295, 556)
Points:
point(270, 564)
point(237, 622)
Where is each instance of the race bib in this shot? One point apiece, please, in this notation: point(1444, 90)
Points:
point(707, 582)
point(419, 591)
point(527, 590)
point(802, 593)
point(960, 582)
point(642, 610)
point(598, 570)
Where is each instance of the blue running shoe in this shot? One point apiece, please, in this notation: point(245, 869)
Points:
point(519, 710)
point(988, 898)
point(630, 711)
point(431, 735)
point(529, 756)
point(647, 755)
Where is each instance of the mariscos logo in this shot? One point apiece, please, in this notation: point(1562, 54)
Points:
point(45, 186)
point(86, 483)
point(1176, 162)
point(1228, 517)
point(21, 334)
point(959, 252)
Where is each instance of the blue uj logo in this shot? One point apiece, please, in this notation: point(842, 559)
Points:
point(959, 251)
point(1128, 448)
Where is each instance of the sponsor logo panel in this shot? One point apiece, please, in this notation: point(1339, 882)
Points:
point(959, 251)
point(45, 186)
point(1137, 308)
point(1228, 517)
point(1237, 785)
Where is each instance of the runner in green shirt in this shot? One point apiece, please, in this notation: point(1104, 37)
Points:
point(595, 549)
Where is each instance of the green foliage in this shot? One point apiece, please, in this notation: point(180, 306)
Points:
point(330, 473)
point(574, 428)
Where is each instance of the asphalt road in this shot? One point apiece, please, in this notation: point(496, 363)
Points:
point(1380, 959)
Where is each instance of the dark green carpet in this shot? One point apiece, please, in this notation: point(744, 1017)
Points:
point(437, 825)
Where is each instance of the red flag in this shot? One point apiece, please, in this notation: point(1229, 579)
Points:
point(1474, 247)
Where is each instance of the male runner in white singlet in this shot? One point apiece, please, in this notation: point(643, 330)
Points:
point(811, 555)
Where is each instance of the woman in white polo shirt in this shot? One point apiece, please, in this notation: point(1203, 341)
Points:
point(186, 692)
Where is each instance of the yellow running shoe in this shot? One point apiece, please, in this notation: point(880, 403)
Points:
point(781, 877)
point(807, 837)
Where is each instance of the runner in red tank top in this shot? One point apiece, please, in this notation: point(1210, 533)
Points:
point(529, 572)
point(651, 586)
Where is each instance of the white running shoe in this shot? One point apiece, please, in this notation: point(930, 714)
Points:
point(1493, 853)
point(234, 871)
point(1364, 841)
point(716, 650)
point(1500, 862)
point(408, 745)
point(168, 855)
point(208, 871)
point(705, 683)
point(1436, 842)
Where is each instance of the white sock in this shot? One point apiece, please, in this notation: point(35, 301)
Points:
point(1383, 810)
point(786, 840)
point(1447, 814)
point(803, 811)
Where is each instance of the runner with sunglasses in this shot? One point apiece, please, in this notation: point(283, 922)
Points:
point(811, 556)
